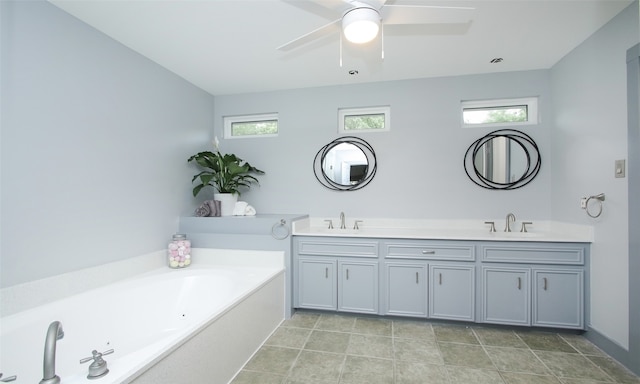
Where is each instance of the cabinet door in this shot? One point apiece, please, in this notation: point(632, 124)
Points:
point(506, 296)
point(317, 283)
point(558, 298)
point(452, 292)
point(406, 289)
point(358, 286)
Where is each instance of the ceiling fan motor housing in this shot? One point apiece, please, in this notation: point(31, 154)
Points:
point(361, 25)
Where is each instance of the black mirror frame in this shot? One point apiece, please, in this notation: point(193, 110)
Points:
point(525, 141)
point(365, 147)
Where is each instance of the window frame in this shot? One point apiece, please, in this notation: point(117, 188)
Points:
point(531, 104)
point(228, 122)
point(364, 111)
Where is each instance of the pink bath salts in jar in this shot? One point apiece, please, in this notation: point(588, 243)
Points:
point(179, 251)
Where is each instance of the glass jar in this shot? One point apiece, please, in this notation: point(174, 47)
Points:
point(179, 251)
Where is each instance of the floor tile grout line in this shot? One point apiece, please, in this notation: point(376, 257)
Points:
point(613, 380)
point(295, 361)
point(485, 351)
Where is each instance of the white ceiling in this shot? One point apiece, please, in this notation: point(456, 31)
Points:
point(229, 46)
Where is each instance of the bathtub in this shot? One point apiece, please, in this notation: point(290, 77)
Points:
point(197, 324)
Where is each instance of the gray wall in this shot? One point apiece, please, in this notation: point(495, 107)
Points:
point(590, 133)
point(420, 172)
point(94, 146)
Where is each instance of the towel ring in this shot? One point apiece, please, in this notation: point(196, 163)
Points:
point(599, 198)
point(281, 224)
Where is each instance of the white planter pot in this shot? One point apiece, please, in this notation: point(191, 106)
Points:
point(227, 202)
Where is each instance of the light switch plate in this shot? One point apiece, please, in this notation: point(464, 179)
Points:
point(620, 168)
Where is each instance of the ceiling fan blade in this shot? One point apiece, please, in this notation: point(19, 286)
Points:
point(328, 9)
point(425, 14)
point(325, 30)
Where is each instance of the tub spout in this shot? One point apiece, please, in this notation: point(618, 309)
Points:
point(54, 333)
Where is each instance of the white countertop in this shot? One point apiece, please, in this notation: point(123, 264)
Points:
point(541, 231)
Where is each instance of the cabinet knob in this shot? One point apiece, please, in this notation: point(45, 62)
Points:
point(428, 252)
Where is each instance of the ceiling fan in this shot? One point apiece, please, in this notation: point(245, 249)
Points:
point(362, 20)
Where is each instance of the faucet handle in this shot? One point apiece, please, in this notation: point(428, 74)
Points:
point(99, 366)
point(330, 223)
point(524, 226)
point(355, 224)
point(8, 379)
point(97, 356)
point(493, 226)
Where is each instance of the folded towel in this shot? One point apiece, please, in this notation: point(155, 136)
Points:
point(240, 208)
point(250, 211)
point(214, 205)
point(203, 210)
point(210, 208)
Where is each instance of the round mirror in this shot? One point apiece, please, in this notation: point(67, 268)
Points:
point(503, 159)
point(345, 164)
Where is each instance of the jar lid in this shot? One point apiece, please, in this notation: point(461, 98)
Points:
point(179, 236)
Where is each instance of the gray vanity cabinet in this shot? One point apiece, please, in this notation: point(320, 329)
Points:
point(358, 286)
point(558, 298)
point(452, 291)
point(427, 278)
point(506, 296)
point(405, 288)
point(317, 286)
point(536, 284)
point(540, 284)
point(336, 274)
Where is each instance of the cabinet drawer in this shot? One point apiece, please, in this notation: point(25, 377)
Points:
point(429, 250)
point(338, 248)
point(532, 254)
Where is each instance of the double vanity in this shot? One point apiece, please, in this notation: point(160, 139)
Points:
point(450, 270)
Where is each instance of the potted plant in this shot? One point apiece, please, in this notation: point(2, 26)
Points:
point(227, 173)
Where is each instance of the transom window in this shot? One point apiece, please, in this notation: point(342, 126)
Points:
point(368, 119)
point(488, 113)
point(264, 125)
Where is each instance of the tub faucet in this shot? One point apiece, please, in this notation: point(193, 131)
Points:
point(342, 224)
point(511, 218)
point(54, 333)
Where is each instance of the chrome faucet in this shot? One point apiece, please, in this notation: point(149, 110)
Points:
point(342, 224)
point(54, 333)
point(511, 218)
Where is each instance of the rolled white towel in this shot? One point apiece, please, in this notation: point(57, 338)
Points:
point(250, 211)
point(240, 208)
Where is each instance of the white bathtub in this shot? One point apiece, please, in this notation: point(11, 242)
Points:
point(198, 324)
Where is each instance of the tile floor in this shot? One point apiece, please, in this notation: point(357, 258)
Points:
point(313, 348)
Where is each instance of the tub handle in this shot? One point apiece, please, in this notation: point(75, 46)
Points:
point(99, 366)
point(96, 355)
point(282, 223)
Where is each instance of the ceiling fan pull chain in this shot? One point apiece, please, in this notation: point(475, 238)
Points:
point(340, 49)
point(382, 39)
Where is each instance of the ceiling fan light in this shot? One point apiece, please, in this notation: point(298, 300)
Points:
point(361, 25)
